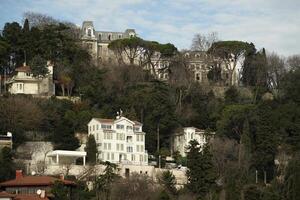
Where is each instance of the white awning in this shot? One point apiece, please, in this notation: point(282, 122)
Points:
point(67, 153)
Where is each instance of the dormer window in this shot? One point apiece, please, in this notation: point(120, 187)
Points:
point(89, 32)
point(187, 55)
point(197, 56)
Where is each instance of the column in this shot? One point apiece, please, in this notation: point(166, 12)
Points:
point(57, 159)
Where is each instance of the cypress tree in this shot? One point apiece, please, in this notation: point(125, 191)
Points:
point(201, 173)
point(91, 150)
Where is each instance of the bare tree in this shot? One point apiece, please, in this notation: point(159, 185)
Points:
point(202, 42)
point(293, 62)
point(276, 69)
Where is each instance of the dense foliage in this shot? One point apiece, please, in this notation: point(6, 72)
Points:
point(255, 150)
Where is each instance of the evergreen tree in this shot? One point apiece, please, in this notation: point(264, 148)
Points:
point(292, 179)
point(26, 26)
point(91, 150)
point(168, 181)
point(201, 173)
point(38, 66)
point(6, 164)
point(59, 191)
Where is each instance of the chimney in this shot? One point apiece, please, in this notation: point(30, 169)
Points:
point(62, 177)
point(19, 174)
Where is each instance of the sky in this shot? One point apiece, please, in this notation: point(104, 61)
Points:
point(273, 24)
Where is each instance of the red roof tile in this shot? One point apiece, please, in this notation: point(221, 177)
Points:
point(5, 194)
point(101, 120)
point(23, 69)
point(34, 181)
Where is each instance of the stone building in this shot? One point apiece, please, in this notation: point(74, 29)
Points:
point(119, 140)
point(97, 41)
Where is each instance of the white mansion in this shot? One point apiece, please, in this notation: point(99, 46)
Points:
point(23, 82)
point(119, 140)
point(180, 140)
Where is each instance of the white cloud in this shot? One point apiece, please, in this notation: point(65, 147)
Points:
point(273, 24)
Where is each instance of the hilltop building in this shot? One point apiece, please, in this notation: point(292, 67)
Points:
point(119, 140)
point(97, 41)
point(180, 140)
point(25, 83)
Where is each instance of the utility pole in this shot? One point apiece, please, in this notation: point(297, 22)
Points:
point(256, 177)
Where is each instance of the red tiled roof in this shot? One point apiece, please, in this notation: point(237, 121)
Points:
point(23, 69)
point(34, 181)
point(137, 123)
point(29, 197)
point(101, 120)
point(5, 194)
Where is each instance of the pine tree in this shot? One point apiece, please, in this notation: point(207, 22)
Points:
point(201, 174)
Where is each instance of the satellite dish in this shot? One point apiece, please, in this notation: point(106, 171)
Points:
point(39, 192)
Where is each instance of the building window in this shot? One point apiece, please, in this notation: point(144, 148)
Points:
point(136, 129)
point(129, 128)
point(97, 126)
point(122, 147)
point(109, 37)
point(137, 138)
point(109, 146)
point(198, 77)
point(105, 146)
point(112, 156)
point(118, 147)
point(120, 36)
point(105, 126)
point(129, 149)
point(137, 148)
point(89, 32)
point(27, 74)
point(119, 126)
point(99, 36)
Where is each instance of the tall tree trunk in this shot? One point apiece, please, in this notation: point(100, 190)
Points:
point(63, 89)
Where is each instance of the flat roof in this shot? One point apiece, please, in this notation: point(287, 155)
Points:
point(67, 153)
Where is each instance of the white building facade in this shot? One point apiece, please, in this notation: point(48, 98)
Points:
point(180, 140)
point(119, 140)
point(25, 83)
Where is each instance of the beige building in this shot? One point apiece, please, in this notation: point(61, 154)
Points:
point(181, 139)
point(25, 83)
point(97, 42)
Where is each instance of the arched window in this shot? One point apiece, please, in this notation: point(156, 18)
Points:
point(89, 32)
point(109, 37)
point(99, 36)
